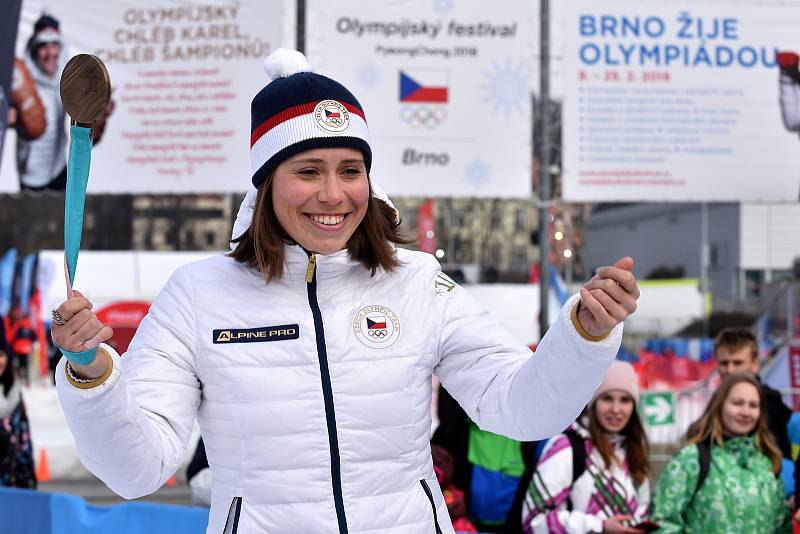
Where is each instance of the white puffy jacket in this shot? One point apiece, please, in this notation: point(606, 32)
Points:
point(313, 398)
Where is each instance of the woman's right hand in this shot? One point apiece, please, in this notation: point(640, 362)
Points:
point(616, 525)
point(82, 329)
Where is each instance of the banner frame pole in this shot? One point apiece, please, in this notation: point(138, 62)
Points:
point(300, 24)
point(543, 134)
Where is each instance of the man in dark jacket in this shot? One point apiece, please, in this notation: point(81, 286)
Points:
point(736, 351)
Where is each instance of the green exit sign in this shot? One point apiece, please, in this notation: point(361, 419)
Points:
point(658, 408)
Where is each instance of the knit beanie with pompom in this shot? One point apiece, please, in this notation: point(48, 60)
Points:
point(300, 110)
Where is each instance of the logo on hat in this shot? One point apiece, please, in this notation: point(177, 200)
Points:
point(332, 116)
point(376, 326)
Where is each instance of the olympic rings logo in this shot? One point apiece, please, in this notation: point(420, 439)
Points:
point(380, 333)
point(376, 326)
point(423, 116)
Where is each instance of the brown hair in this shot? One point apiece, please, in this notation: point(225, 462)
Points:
point(261, 245)
point(735, 339)
point(636, 445)
point(709, 426)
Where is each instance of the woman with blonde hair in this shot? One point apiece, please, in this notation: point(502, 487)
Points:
point(726, 479)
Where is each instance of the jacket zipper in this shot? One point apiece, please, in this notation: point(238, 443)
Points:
point(311, 269)
point(433, 504)
point(232, 522)
point(327, 393)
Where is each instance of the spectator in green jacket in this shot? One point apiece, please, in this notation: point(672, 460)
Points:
point(741, 490)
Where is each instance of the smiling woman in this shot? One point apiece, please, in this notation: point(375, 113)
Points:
point(307, 353)
point(319, 199)
point(593, 477)
point(727, 478)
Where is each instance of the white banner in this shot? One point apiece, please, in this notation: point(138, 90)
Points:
point(445, 87)
point(668, 101)
point(182, 74)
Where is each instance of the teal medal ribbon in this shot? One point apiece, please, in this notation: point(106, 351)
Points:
point(80, 158)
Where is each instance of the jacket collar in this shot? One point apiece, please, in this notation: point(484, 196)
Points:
point(581, 427)
point(327, 265)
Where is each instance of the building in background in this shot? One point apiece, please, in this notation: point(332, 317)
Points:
point(492, 238)
point(750, 245)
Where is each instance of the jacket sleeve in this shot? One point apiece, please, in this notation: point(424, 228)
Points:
point(790, 103)
point(675, 489)
point(132, 431)
point(778, 415)
point(545, 507)
point(504, 387)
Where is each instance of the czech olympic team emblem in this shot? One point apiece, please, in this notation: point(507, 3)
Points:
point(332, 116)
point(376, 326)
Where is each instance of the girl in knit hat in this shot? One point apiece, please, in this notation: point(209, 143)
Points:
point(306, 354)
point(610, 491)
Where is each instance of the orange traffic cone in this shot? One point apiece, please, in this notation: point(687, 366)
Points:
point(43, 469)
point(171, 481)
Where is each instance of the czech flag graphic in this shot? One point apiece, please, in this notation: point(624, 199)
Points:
point(375, 322)
point(423, 86)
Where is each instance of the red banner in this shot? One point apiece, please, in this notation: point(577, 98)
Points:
point(124, 317)
point(794, 374)
point(426, 238)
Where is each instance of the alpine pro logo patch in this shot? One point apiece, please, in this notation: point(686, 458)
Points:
point(376, 326)
point(256, 335)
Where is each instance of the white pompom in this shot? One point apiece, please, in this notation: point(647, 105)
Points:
point(284, 62)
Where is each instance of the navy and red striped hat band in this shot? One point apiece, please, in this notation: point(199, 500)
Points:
point(300, 110)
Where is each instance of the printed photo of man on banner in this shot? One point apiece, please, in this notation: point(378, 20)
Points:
point(183, 76)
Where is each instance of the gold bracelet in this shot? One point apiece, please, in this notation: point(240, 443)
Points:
point(82, 383)
point(579, 327)
point(74, 378)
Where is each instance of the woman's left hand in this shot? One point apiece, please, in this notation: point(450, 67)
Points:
point(608, 298)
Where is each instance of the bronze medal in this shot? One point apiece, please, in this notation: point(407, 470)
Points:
point(85, 88)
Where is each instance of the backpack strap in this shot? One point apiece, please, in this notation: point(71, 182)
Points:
point(530, 453)
point(578, 453)
point(514, 517)
point(704, 461)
